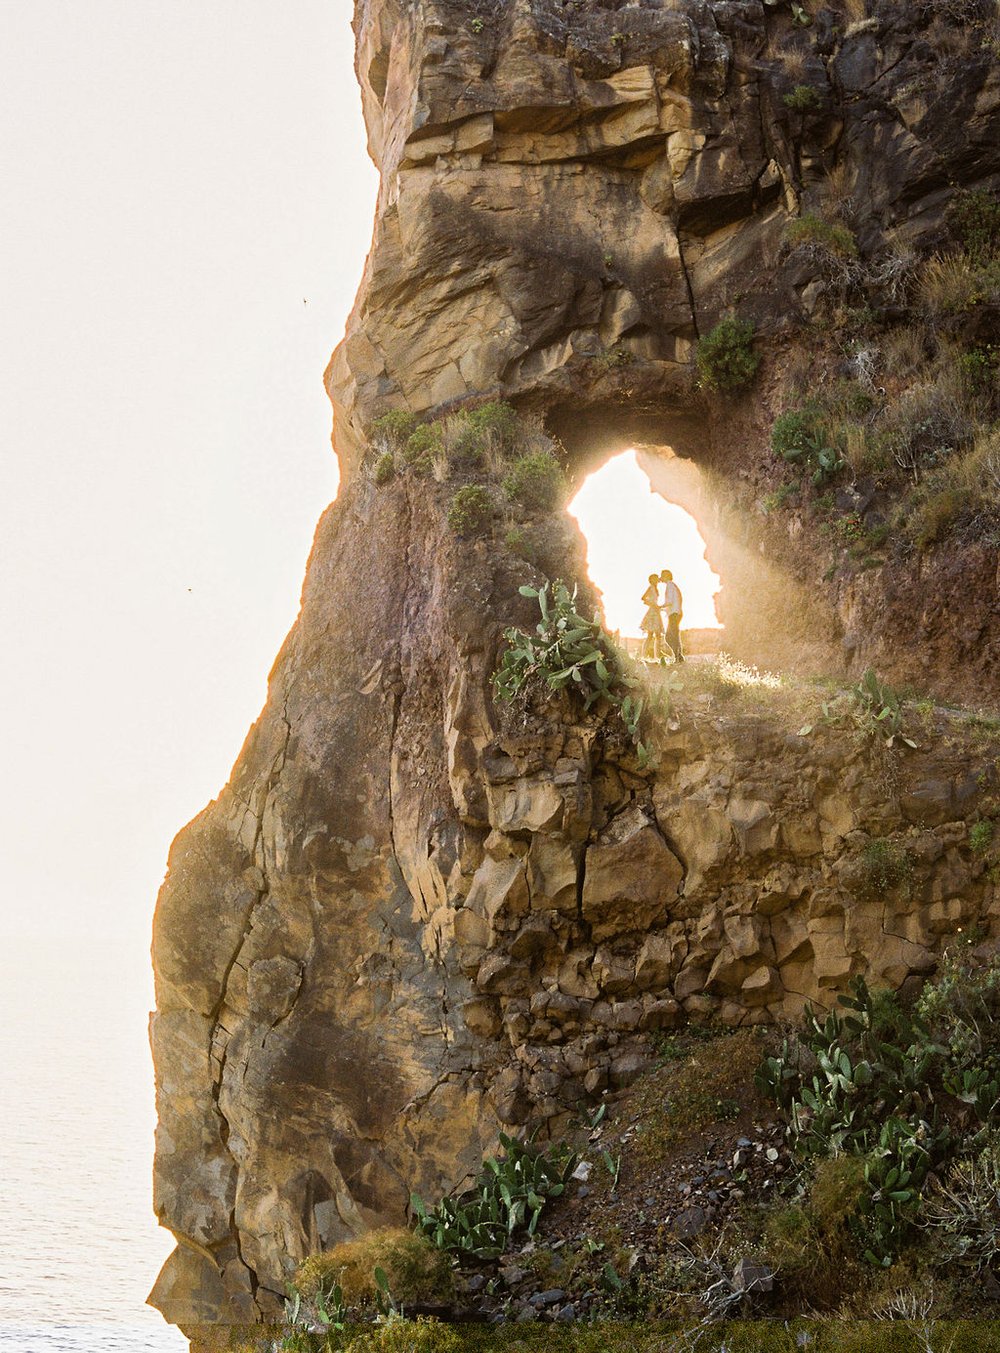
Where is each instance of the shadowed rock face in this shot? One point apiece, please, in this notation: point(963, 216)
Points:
point(410, 919)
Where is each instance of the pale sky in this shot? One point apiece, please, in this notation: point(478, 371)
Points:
point(178, 178)
point(186, 210)
point(633, 532)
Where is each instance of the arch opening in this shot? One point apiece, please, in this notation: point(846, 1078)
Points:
point(635, 513)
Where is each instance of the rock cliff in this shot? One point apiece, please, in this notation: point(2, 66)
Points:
point(411, 918)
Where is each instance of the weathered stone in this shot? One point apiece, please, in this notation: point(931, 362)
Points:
point(631, 877)
point(750, 1276)
point(654, 963)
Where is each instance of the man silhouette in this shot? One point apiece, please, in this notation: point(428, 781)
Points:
point(673, 609)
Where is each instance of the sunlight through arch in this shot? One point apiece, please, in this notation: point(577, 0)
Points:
point(631, 531)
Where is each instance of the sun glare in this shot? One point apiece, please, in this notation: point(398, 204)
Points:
point(631, 532)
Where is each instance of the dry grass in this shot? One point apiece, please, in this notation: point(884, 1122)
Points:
point(953, 284)
point(810, 1244)
point(855, 11)
point(416, 1270)
point(865, 453)
point(963, 491)
point(904, 351)
point(792, 59)
point(711, 1085)
point(837, 189)
point(933, 419)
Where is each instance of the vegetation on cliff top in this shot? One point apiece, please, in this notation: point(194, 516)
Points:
point(569, 652)
point(506, 466)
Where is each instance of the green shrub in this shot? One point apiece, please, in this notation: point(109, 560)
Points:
point(961, 1010)
point(827, 235)
point(393, 428)
point(499, 422)
point(507, 1196)
point(471, 510)
point(803, 99)
point(725, 357)
point(422, 446)
point(385, 468)
point(414, 1268)
point(536, 482)
point(980, 371)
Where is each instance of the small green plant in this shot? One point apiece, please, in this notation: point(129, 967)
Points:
point(569, 652)
point(877, 709)
point(773, 502)
point(804, 99)
point(507, 1195)
point(800, 437)
point(884, 866)
point(477, 25)
point(536, 482)
point(981, 836)
point(725, 357)
point(471, 510)
point(830, 236)
point(613, 1165)
point(520, 544)
point(385, 468)
point(616, 357)
point(872, 707)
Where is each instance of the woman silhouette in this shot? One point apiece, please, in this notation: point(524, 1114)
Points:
point(652, 621)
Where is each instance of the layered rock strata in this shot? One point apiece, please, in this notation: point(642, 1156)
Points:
point(408, 919)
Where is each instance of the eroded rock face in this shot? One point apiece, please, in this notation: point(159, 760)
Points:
point(410, 918)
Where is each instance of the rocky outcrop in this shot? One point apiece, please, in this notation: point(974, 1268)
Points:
point(411, 918)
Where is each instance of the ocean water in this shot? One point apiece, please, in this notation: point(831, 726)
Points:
point(79, 1245)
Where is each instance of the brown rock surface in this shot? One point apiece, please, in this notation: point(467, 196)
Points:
point(410, 919)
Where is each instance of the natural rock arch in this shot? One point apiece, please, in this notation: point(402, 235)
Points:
point(404, 923)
